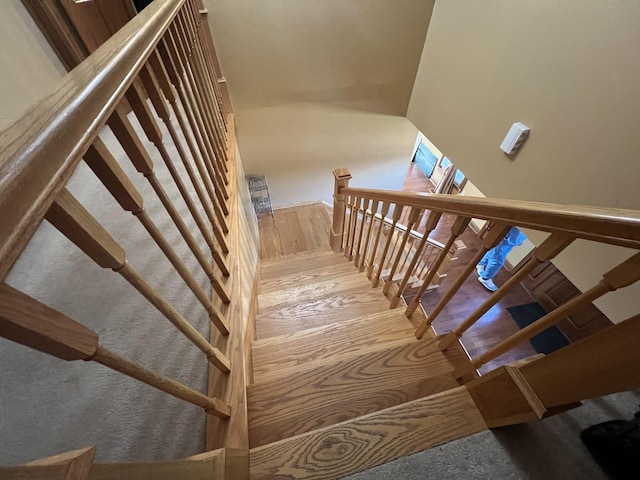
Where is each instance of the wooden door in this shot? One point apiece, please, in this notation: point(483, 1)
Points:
point(551, 288)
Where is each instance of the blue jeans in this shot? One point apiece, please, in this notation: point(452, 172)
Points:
point(494, 259)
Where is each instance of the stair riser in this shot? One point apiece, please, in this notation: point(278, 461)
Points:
point(351, 408)
point(365, 442)
point(274, 402)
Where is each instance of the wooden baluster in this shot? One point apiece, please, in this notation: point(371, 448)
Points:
point(625, 274)
point(397, 212)
point(136, 96)
point(174, 68)
point(392, 254)
point(207, 103)
point(131, 144)
point(165, 77)
point(495, 234)
point(206, 58)
point(26, 321)
point(432, 223)
point(356, 223)
point(341, 180)
point(548, 249)
point(353, 222)
point(116, 181)
point(212, 61)
point(347, 224)
point(412, 219)
point(164, 113)
point(180, 49)
point(374, 210)
point(210, 405)
point(190, 34)
point(374, 251)
point(77, 224)
point(364, 207)
point(457, 229)
point(406, 253)
point(194, 23)
point(427, 256)
point(155, 77)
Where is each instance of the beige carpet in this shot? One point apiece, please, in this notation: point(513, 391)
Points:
point(49, 406)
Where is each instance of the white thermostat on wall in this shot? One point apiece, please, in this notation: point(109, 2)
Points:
point(515, 136)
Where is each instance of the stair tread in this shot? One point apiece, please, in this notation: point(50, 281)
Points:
point(291, 317)
point(364, 442)
point(278, 355)
point(288, 264)
point(348, 281)
point(309, 275)
point(271, 403)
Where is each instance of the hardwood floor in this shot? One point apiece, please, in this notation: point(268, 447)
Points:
point(496, 324)
point(293, 230)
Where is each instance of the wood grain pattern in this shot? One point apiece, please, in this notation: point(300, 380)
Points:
point(346, 409)
point(75, 465)
point(232, 388)
point(371, 440)
point(321, 387)
point(293, 230)
point(29, 322)
point(77, 224)
point(607, 225)
point(328, 309)
point(191, 469)
point(217, 459)
point(308, 276)
point(603, 363)
point(304, 292)
point(345, 339)
point(501, 400)
point(114, 361)
point(115, 180)
point(26, 321)
point(290, 264)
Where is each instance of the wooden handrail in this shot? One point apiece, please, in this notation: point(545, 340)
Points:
point(607, 225)
point(41, 150)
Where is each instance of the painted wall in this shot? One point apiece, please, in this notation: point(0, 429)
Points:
point(28, 66)
point(569, 70)
point(320, 85)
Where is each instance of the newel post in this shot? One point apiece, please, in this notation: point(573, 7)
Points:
point(342, 177)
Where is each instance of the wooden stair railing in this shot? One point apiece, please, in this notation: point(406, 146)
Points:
point(563, 223)
point(163, 54)
point(390, 250)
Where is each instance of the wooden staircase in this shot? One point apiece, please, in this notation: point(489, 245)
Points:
point(341, 384)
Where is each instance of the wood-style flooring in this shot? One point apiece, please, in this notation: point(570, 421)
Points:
point(293, 230)
point(496, 324)
point(306, 227)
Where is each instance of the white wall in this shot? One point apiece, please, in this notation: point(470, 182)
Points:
point(570, 71)
point(28, 66)
point(321, 85)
